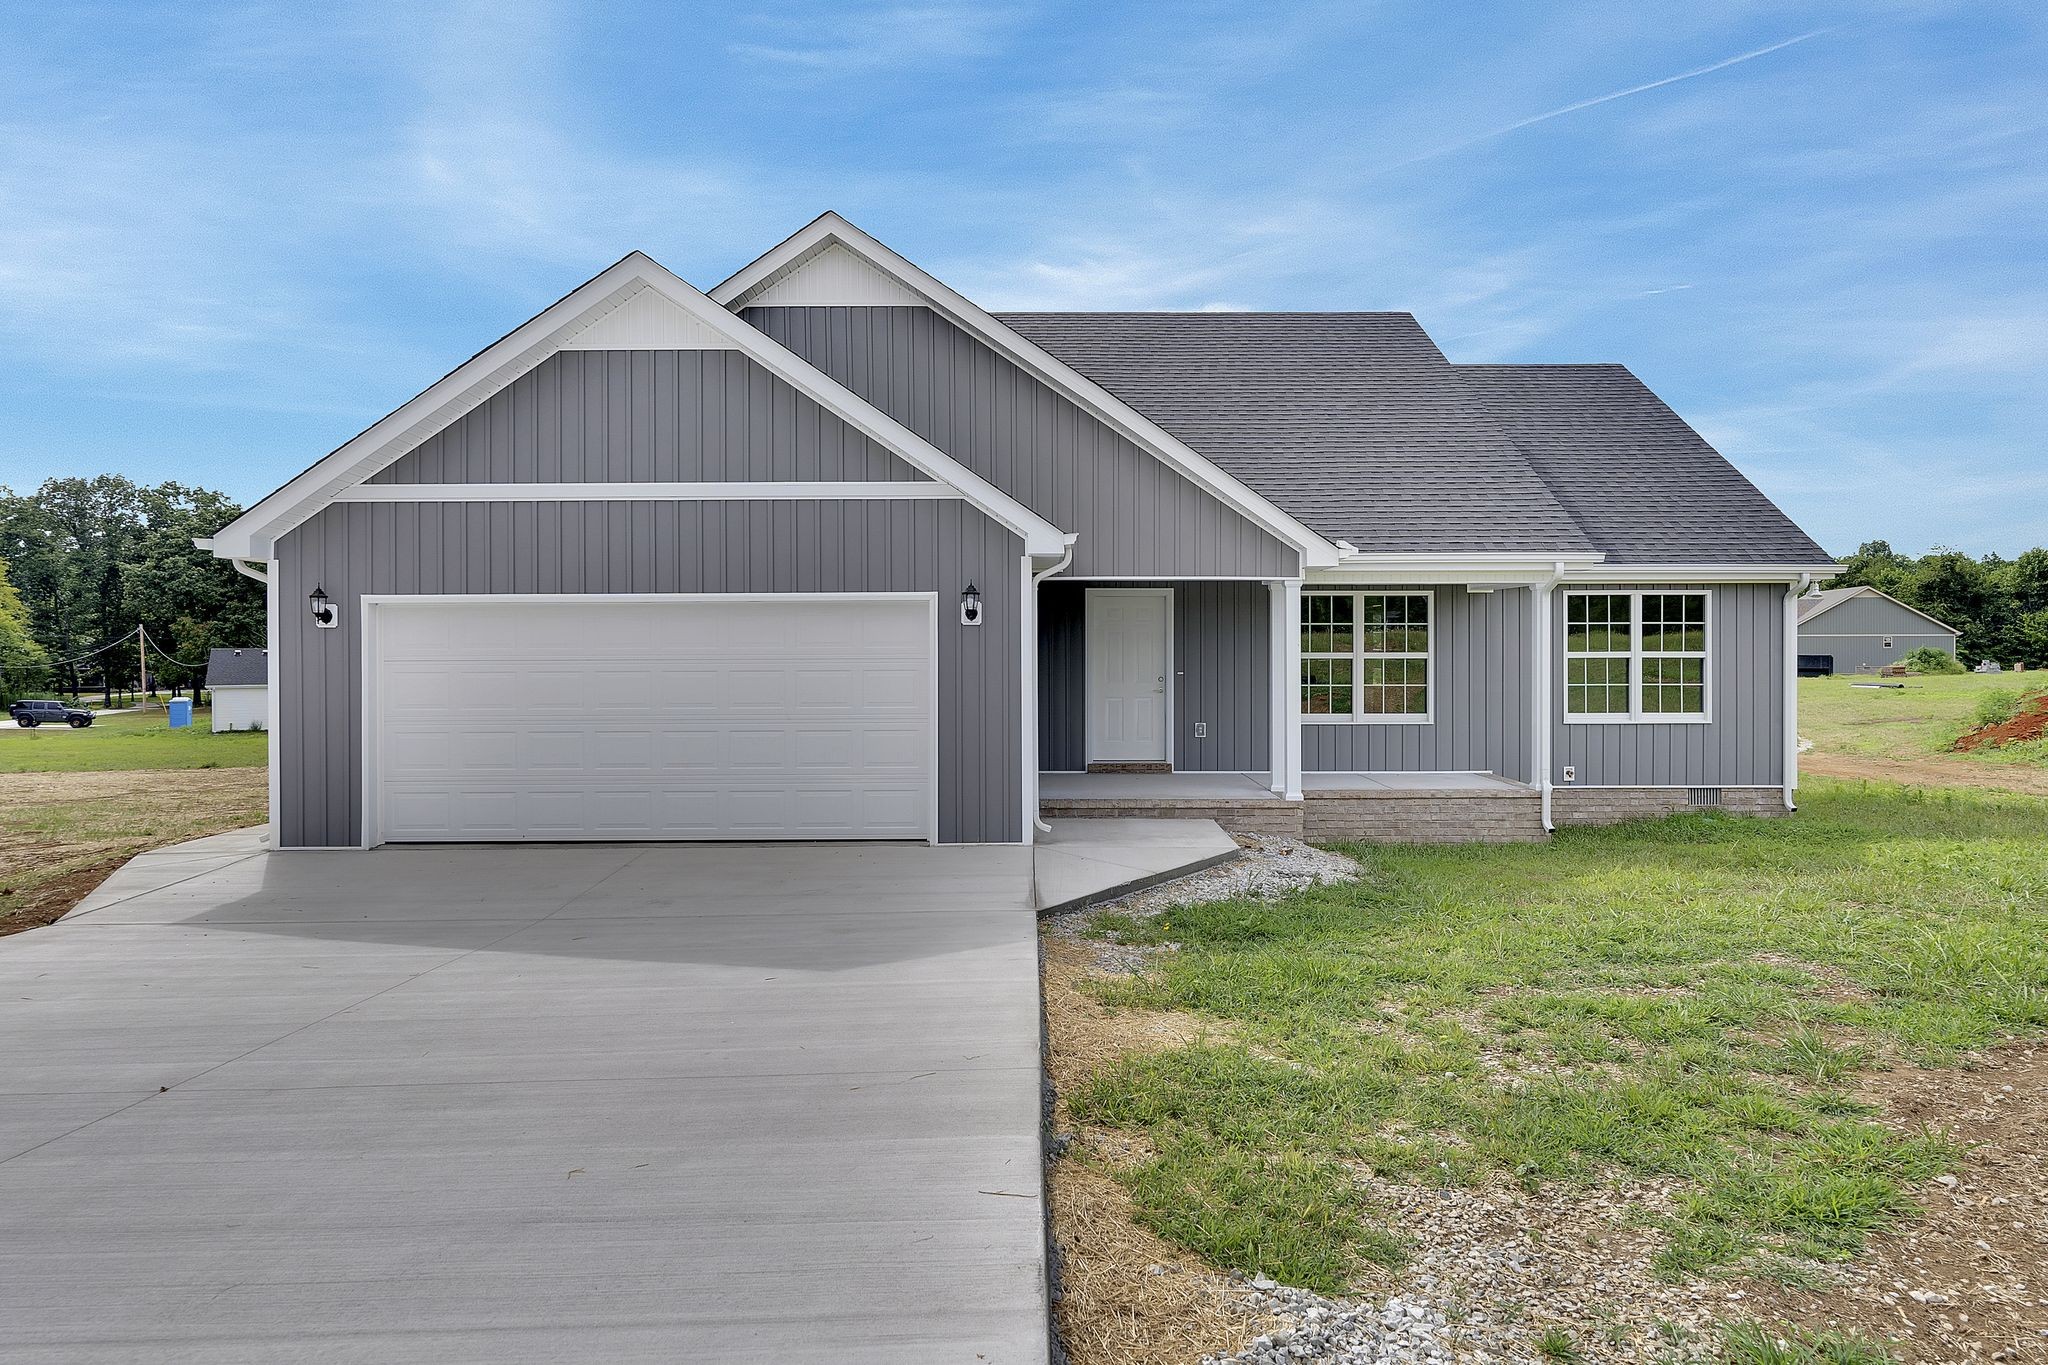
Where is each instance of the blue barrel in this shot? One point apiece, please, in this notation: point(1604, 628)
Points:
point(181, 712)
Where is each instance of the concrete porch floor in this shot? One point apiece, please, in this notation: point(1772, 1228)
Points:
point(1252, 786)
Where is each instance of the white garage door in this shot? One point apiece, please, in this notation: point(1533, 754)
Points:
point(736, 718)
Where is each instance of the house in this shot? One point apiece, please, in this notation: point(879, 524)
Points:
point(831, 552)
point(1861, 630)
point(239, 680)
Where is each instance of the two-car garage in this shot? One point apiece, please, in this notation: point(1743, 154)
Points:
point(757, 716)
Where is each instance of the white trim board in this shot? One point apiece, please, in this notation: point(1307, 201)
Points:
point(829, 230)
point(254, 534)
point(905, 490)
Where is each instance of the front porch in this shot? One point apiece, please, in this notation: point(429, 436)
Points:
point(1388, 807)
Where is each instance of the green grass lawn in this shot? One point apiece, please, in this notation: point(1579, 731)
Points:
point(1692, 999)
point(139, 740)
point(1922, 718)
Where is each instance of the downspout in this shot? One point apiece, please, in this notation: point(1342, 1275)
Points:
point(1540, 613)
point(1792, 597)
point(245, 567)
point(1031, 686)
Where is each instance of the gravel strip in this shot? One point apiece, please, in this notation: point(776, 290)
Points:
point(1269, 867)
point(1399, 1331)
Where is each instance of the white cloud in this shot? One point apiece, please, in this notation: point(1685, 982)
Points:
point(843, 40)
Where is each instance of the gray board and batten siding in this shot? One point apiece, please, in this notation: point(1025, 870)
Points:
point(350, 549)
point(1481, 658)
point(1743, 745)
point(1136, 516)
point(1223, 678)
point(1223, 675)
point(648, 417)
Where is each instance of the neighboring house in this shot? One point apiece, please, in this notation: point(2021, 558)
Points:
point(1860, 630)
point(833, 553)
point(239, 680)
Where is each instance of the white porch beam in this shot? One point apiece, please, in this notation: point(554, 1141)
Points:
point(1285, 743)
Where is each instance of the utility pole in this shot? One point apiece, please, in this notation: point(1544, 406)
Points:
point(142, 650)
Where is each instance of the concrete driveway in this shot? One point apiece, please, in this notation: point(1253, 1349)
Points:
point(712, 1102)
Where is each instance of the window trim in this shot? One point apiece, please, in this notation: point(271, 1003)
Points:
point(1635, 715)
point(1358, 657)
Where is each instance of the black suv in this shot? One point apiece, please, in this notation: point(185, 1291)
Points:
point(30, 714)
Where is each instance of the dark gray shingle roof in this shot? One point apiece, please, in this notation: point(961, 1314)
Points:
point(238, 668)
point(1353, 423)
point(1645, 487)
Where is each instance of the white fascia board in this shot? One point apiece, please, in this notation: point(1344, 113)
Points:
point(1698, 573)
point(1498, 569)
point(254, 534)
point(830, 229)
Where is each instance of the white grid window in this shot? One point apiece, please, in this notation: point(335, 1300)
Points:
point(1635, 656)
point(1365, 656)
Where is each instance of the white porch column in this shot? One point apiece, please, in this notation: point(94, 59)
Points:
point(1792, 595)
point(1285, 743)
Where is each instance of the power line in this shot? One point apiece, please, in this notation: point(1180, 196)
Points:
point(111, 644)
point(162, 651)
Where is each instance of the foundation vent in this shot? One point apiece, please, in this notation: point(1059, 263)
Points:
point(1699, 797)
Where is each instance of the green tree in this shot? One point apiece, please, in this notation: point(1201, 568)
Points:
point(95, 558)
point(21, 658)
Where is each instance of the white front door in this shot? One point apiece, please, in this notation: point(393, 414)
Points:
point(1128, 654)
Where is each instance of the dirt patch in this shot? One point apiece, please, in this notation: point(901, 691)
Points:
point(1125, 1297)
point(49, 900)
point(62, 834)
point(2031, 722)
point(1934, 770)
point(1968, 1281)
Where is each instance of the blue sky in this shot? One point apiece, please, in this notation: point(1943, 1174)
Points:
point(232, 236)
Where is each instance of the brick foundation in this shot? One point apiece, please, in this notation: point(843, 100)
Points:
point(1612, 805)
point(1424, 817)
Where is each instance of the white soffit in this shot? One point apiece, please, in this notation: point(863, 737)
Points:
point(644, 320)
point(831, 277)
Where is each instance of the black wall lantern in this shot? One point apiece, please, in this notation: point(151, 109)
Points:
point(324, 614)
point(970, 606)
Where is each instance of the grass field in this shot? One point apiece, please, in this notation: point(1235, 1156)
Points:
point(1694, 1000)
point(1922, 718)
point(132, 741)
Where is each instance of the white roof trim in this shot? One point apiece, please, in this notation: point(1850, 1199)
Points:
point(829, 229)
point(254, 534)
point(1863, 590)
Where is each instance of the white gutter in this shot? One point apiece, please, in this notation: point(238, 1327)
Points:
point(1540, 603)
point(1792, 596)
point(243, 566)
point(1032, 821)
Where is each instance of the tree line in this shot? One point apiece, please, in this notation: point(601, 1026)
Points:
point(2000, 605)
point(83, 562)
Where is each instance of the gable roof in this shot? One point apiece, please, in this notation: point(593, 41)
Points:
point(637, 295)
point(1354, 422)
point(866, 265)
point(237, 668)
point(1826, 599)
point(1642, 484)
